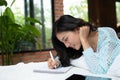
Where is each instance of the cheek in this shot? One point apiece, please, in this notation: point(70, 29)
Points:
point(78, 42)
point(77, 39)
point(78, 46)
point(74, 38)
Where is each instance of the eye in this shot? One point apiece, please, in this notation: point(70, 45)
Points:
point(66, 39)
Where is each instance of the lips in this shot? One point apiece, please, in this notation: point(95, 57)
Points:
point(72, 46)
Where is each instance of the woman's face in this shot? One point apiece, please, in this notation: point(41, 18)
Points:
point(70, 39)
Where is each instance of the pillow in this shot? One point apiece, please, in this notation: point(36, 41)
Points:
point(80, 62)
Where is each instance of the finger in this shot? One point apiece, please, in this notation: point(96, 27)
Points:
point(49, 60)
point(55, 63)
point(50, 65)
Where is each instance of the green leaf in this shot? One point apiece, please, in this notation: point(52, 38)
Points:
point(15, 25)
point(33, 20)
point(32, 30)
point(3, 2)
point(8, 12)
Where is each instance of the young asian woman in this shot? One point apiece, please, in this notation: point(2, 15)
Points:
point(73, 37)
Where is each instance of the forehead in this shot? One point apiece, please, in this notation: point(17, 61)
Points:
point(61, 35)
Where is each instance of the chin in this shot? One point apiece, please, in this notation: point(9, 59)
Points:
point(77, 48)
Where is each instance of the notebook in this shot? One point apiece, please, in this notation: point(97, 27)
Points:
point(45, 69)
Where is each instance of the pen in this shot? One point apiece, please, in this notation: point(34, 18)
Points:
point(51, 55)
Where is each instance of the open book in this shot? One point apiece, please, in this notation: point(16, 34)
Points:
point(45, 69)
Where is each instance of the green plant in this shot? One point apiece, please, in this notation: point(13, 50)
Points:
point(12, 32)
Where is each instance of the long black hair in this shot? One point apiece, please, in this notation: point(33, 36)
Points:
point(67, 23)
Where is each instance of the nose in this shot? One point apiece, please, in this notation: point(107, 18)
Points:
point(67, 44)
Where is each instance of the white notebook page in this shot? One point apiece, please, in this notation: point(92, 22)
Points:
point(45, 69)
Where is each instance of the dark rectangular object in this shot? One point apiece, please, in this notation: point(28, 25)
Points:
point(81, 77)
point(76, 77)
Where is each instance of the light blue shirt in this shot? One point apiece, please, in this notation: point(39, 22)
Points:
point(108, 47)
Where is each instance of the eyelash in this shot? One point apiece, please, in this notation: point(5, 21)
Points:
point(66, 39)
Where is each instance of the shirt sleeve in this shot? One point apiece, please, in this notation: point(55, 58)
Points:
point(58, 59)
point(92, 61)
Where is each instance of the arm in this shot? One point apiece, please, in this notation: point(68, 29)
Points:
point(84, 33)
point(100, 61)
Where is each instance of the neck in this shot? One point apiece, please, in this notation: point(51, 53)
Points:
point(93, 39)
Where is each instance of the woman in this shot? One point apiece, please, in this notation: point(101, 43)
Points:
point(73, 37)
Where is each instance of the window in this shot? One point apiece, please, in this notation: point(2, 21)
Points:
point(76, 8)
point(118, 13)
point(118, 17)
point(40, 10)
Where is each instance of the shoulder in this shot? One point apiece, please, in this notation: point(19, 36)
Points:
point(108, 31)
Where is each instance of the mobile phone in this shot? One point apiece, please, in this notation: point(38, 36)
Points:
point(76, 77)
point(81, 77)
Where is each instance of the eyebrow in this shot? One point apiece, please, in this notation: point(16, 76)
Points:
point(63, 38)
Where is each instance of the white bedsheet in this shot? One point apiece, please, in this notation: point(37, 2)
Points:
point(115, 67)
point(23, 71)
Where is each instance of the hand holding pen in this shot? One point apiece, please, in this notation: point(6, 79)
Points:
point(52, 63)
